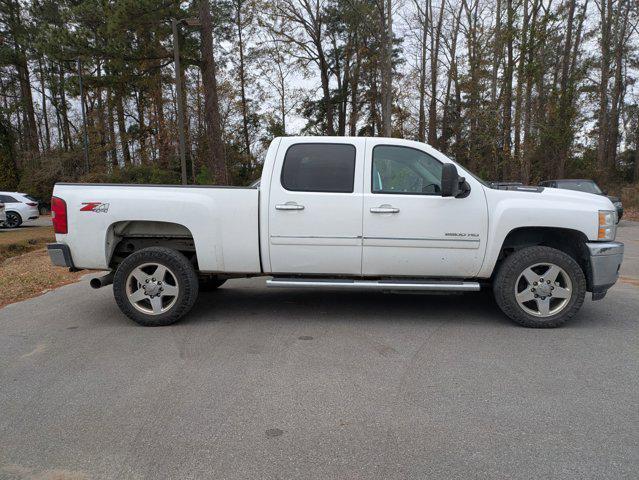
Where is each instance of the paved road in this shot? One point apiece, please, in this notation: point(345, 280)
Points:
point(282, 384)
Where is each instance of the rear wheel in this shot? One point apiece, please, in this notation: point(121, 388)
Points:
point(155, 286)
point(540, 287)
point(14, 220)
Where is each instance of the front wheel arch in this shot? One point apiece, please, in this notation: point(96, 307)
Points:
point(570, 241)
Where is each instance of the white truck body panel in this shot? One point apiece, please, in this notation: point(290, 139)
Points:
point(222, 221)
point(552, 207)
point(326, 236)
point(444, 236)
point(245, 230)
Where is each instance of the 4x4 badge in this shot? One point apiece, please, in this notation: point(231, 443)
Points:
point(97, 207)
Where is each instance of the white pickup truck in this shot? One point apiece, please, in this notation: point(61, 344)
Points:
point(342, 212)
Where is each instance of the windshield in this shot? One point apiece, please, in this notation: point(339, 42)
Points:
point(587, 186)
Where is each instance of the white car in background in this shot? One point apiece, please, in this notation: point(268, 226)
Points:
point(3, 215)
point(19, 207)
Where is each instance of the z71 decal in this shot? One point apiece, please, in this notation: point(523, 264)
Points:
point(97, 207)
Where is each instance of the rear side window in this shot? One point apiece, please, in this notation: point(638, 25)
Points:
point(319, 167)
point(7, 199)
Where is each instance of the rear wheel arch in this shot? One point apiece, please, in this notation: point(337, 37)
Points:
point(126, 237)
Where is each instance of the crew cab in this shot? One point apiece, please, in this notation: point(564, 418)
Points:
point(342, 212)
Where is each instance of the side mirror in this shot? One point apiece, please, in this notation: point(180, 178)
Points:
point(452, 184)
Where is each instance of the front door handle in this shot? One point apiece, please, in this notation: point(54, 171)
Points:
point(289, 206)
point(384, 209)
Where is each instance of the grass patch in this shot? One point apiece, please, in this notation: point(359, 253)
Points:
point(25, 268)
point(30, 275)
point(22, 240)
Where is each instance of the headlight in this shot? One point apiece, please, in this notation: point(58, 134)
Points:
point(607, 225)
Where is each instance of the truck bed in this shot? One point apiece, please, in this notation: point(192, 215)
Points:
point(223, 221)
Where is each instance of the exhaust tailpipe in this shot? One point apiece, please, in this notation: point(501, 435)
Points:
point(99, 282)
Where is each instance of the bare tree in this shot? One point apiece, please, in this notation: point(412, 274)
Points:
point(216, 159)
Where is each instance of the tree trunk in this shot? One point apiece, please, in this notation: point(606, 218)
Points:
point(45, 114)
point(421, 125)
point(216, 157)
point(141, 106)
point(618, 88)
point(602, 117)
point(124, 138)
point(564, 126)
point(113, 152)
point(386, 17)
point(354, 101)
point(434, 68)
point(64, 110)
point(240, 40)
point(443, 141)
point(508, 92)
point(326, 91)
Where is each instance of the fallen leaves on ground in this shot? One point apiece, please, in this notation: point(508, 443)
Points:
point(22, 240)
point(30, 275)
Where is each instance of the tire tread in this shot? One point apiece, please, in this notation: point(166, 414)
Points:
point(511, 268)
point(182, 268)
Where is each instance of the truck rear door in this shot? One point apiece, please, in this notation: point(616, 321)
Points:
point(315, 206)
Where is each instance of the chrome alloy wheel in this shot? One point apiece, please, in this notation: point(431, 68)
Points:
point(543, 289)
point(152, 288)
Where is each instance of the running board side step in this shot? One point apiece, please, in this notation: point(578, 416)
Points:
point(432, 286)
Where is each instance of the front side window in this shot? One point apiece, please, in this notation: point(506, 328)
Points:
point(319, 167)
point(405, 170)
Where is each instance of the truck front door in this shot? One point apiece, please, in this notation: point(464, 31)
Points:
point(315, 207)
point(409, 228)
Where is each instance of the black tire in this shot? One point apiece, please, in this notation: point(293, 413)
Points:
point(180, 268)
point(504, 286)
point(14, 220)
point(209, 284)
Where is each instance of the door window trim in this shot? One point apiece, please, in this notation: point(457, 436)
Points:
point(352, 190)
point(400, 193)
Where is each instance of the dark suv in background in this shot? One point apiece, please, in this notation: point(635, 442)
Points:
point(582, 185)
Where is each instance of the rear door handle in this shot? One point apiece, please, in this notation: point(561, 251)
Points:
point(289, 206)
point(384, 209)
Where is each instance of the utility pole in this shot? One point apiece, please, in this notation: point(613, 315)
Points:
point(84, 120)
point(180, 100)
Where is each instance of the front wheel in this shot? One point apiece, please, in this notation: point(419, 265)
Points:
point(540, 287)
point(155, 286)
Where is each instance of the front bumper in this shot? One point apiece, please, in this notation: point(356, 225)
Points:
point(605, 261)
point(60, 255)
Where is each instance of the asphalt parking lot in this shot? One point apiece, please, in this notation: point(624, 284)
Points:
point(280, 384)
